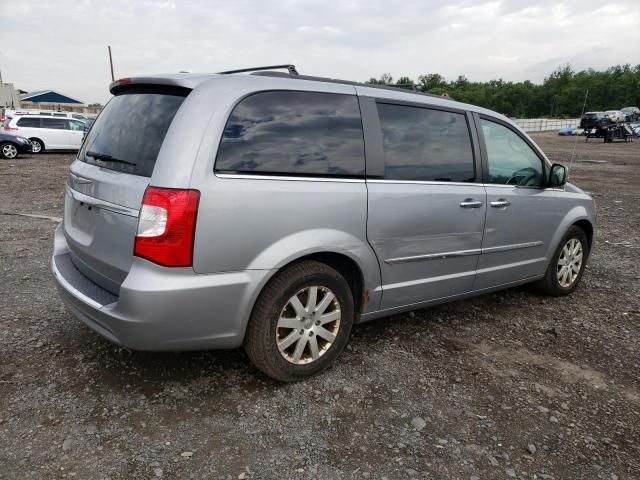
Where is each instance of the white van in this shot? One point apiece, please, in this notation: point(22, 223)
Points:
point(8, 112)
point(46, 132)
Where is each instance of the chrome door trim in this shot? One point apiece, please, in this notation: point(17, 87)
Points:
point(425, 182)
point(288, 178)
point(96, 202)
point(462, 253)
point(433, 256)
point(515, 246)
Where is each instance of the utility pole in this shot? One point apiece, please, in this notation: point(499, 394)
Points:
point(111, 63)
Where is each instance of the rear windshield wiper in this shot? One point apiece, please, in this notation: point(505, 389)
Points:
point(108, 158)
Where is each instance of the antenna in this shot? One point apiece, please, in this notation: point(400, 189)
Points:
point(111, 63)
point(575, 142)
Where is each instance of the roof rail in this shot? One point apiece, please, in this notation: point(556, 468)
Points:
point(291, 68)
point(393, 86)
point(406, 86)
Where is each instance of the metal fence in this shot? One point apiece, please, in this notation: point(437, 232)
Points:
point(546, 124)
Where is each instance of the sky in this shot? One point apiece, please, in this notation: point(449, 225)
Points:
point(62, 45)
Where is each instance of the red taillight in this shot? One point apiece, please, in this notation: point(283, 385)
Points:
point(7, 128)
point(166, 226)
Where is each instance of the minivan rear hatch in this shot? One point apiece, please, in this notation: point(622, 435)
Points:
point(107, 182)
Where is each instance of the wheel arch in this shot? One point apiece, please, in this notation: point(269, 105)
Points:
point(578, 216)
point(588, 229)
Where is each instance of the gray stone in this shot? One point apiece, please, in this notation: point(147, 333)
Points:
point(510, 472)
point(67, 444)
point(531, 448)
point(418, 423)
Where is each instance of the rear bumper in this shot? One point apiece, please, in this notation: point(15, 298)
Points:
point(161, 309)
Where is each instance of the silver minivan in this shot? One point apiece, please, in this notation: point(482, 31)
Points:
point(275, 210)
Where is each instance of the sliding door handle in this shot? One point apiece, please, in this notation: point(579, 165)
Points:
point(471, 203)
point(502, 203)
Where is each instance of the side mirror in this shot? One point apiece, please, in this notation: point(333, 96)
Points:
point(558, 175)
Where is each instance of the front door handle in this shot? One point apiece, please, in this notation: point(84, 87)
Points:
point(470, 203)
point(502, 203)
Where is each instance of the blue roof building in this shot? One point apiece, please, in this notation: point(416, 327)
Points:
point(49, 96)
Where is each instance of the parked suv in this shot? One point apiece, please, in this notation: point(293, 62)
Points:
point(274, 211)
point(45, 132)
point(592, 120)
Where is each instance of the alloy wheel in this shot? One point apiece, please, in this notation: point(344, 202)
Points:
point(308, 325)
point(9, 151)
point(570, 262)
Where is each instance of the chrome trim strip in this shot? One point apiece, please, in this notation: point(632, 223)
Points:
point(70, 289)
point(424, 182)
point(434, 256)
point(515, 246)
point(462, 253)
point(96, 202)
point(287, 178)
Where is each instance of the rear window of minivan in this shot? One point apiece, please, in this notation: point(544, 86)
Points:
point(129, 132)
point(27, 122)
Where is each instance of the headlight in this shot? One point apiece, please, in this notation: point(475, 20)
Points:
point(22, 140)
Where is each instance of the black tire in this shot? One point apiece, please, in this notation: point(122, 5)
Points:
point(550, 284)
point(37, 145)
point(260, 341)
point(8, 150)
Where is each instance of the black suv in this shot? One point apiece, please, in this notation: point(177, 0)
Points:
point(594, 120)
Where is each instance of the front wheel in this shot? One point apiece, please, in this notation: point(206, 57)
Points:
point(567, 265)
point(36, 145)
point(301, 321)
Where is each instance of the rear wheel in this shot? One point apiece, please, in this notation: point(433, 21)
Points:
point(567, 265)
point(301, 321)
point(37, 145)
point(8, 150)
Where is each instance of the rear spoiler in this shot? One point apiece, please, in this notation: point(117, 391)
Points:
point(180, 81)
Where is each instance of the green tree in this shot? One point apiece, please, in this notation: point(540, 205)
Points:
point(561, 94)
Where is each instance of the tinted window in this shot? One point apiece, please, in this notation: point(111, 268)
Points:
point(511, 160)
point(294, 132)
point(129, 132)
point(29, 122)
point(425, 144)
point(55, 123)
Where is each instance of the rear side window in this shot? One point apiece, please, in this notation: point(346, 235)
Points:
point(55, 123)
point(28, 122)
point(129, 132)
point(426, 144)
point(300, 133)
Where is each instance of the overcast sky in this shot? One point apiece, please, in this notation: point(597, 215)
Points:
point(62, 45)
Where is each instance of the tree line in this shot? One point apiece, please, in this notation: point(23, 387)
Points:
point(561, 94)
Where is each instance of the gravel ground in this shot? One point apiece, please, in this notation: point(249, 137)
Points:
point(508, 385)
